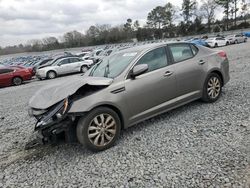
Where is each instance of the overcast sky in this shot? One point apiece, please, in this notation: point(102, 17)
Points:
point(22, 20)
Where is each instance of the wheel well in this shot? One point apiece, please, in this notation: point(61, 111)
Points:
point(220, 75)
point(51, 71)
point(17, 77)
point(117, 111)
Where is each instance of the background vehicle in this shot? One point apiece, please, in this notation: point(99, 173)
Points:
point(13, 76)
point(198, 41)
point(63, 66)
point(235, 39)
point(217, 41)
point(128, 87)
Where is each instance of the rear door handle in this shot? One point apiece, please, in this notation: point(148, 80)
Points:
point(201, 62)
point(168, 73)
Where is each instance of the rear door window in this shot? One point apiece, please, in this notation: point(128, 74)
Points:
point(73, 60)
point(181, 52)
point(64, 62)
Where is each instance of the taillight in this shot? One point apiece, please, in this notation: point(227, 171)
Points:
point(222, 54)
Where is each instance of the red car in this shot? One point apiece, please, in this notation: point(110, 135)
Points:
point(22, 67)
point(13, 76)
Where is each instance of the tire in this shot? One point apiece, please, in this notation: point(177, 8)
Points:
point(16, 81)
point(227, 43)
point(95, 137)
point(51, 75)
point(236, 42)
point(215, 45)
point(84, 69)
point(212, 88)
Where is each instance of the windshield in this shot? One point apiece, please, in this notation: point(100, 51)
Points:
point(112, 66)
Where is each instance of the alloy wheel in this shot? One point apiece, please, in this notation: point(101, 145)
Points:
point(51, 75)
point(84, 69)
point(213, 87)
point(102, 130)
point(17, 81)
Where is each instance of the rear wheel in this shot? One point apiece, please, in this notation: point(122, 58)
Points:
point(51, 75)
point(99, 129)
point(84, 69)
point(212, 88)
point(236, 42)
point(17, 81)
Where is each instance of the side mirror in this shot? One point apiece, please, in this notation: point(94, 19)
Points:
point(59, 64)
point(138, 70)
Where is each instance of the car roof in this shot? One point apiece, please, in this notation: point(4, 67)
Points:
point(142, 48)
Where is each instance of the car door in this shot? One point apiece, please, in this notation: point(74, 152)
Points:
point(189, 70)
point(148, 93)
point(6, 77)
point(75, 65)
point(63, 66)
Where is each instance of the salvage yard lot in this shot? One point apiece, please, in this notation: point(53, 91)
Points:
point(197, 145)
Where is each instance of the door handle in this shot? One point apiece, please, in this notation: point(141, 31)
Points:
point(201, 62)
point(168, 73)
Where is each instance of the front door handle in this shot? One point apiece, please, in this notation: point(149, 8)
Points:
point(168, 73)
point(201, 62)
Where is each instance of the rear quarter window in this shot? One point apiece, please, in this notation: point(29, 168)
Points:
point(4, 71)
point(194, 49)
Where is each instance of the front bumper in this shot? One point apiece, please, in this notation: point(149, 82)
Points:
point(64, 130)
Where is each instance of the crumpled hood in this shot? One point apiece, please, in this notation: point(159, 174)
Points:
point(57, 91)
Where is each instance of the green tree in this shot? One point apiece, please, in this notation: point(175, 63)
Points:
point(170, 13)
point(225, 4)
point(208, 8)
point(188, 9)
point(157, 17)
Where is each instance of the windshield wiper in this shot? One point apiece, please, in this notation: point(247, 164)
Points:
point(106, 73)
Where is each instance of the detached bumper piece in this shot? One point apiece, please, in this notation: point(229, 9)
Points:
point(52, 134)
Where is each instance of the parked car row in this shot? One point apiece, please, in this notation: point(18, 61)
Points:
point(52, 66)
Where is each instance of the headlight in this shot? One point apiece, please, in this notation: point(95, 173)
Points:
point(56, 113)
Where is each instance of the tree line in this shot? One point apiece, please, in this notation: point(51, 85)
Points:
point(162, 22)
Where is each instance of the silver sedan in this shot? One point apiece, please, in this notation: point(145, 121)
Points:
point(64, 66)
point(128, 87)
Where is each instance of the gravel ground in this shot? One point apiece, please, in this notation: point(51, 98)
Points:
point(197, 145)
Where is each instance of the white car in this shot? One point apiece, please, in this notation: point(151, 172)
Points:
point(235, 39)
point(217, 41)
point(64, 66)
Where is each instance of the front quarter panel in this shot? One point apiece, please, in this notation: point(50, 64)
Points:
point(105, 97)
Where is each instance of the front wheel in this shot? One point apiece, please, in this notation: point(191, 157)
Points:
point(212, 88)
point(17, 81)
point(99, 129)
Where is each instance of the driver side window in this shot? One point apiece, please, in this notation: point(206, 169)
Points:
point(65, 61)
point(155, 59)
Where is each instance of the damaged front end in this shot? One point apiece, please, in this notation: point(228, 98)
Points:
point(54, 123)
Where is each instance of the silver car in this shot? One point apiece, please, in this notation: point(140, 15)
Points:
point(126, 88)
point(64, 66)
point(235, 39)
